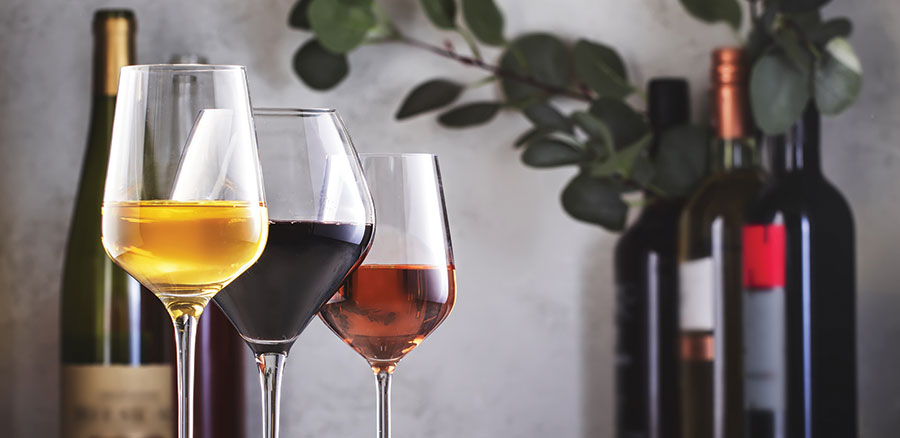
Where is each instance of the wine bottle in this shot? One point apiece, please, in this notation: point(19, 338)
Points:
point(709, 256)
point(646, 279)
point(116, 338)
point(799, 315)
point(221, 355)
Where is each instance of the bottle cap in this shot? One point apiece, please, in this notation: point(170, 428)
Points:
point(669, 103)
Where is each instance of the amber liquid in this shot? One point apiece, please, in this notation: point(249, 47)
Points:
point(184, 252)
point(385, 311)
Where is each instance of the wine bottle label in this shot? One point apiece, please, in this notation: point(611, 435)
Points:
point(696, 280)
point(764, 330)
point(117, 401)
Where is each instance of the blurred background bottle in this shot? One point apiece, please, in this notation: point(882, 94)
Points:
point(219, 396)
point(646, 278)
point(115, 337)
point(800, 302)
point(709, 255)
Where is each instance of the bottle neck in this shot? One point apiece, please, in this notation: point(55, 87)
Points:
point(729, 154)
point(113, 49)
point(797, 151)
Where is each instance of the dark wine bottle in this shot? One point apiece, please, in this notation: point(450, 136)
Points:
point(646, 279)
point(219, 395)
point(709, 255)
point(799, 274)
point(116, 339)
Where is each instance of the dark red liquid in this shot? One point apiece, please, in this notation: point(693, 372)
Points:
point(302, 266)
point(384, 311)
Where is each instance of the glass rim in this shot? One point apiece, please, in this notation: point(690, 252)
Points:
point(183, 67)
point(396, 155)
point(289, 111)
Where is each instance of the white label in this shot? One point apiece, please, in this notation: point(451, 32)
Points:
point(117, 401)
point(696, 281)
point(764, 361)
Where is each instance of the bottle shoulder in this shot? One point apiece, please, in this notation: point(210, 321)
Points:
point(810, 196)
point(725, 193)
point(653, 230)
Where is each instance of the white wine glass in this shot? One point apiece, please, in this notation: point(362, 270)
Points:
point(184, 209)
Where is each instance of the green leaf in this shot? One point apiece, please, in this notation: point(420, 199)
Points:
point(551, 153)
point(778, 92)
point(319, 68)
point(622, 162)
point(799, 6)
point(595, 200)
point(831, 29)
point(682, 159)
point(595, 128)
point(441, 12)
point(341, 25)
point(428, 96)
point(602, 69)
point(626, 125)
point(546, 116)
point(532, 135)
point(790, 43)
point(838, 77)
point(469, 114)
point(484, 20)
point(298, 18)
point(712, 11)
point(541, 56)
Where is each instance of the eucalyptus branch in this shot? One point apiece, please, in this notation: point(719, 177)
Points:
point(470, 41)
point(496, 70)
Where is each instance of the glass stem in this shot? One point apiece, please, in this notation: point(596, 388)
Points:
point(185, 339)
point(270, 369)
point(384, 403)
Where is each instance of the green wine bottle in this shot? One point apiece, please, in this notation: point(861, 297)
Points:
point(116, 338)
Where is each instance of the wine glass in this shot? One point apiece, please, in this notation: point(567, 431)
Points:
point(183, 209)
point(320, 226)
point(407, 285)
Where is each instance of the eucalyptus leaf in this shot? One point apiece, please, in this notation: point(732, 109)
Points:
point(595, 200)
point(711, 11)
point(341, 25)
point(484, 20)
point(778, 92)
point(551, 153)
point(602, 69)
point(298, 18)
point(596, 129)
point(442, 13)
point(428, 96)
point(547, 116)
point(790, 43)
point(532, 135)
point(539, 55)
point(319, 68)
point(469, 114)
point(831, 29)
point(626, 124)
point(838, 77)
point(622, 162)
point(799, 6)
point(682, 160)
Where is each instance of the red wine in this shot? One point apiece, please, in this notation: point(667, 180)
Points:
point(646, 278)
point(808, 385)
point(303, 265)
point(385, 311)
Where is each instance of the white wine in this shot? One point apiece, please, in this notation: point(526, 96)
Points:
point(116, 339)
point(185, 252)
point(709, 256)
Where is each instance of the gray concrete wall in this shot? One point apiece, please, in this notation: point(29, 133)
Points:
point(528, 350)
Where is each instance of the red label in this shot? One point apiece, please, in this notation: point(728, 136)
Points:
point(763, 256)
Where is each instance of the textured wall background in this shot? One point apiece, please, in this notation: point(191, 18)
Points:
point(528, 350)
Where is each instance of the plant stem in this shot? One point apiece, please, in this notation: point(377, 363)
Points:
point(473, 46)
point(496, 70)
